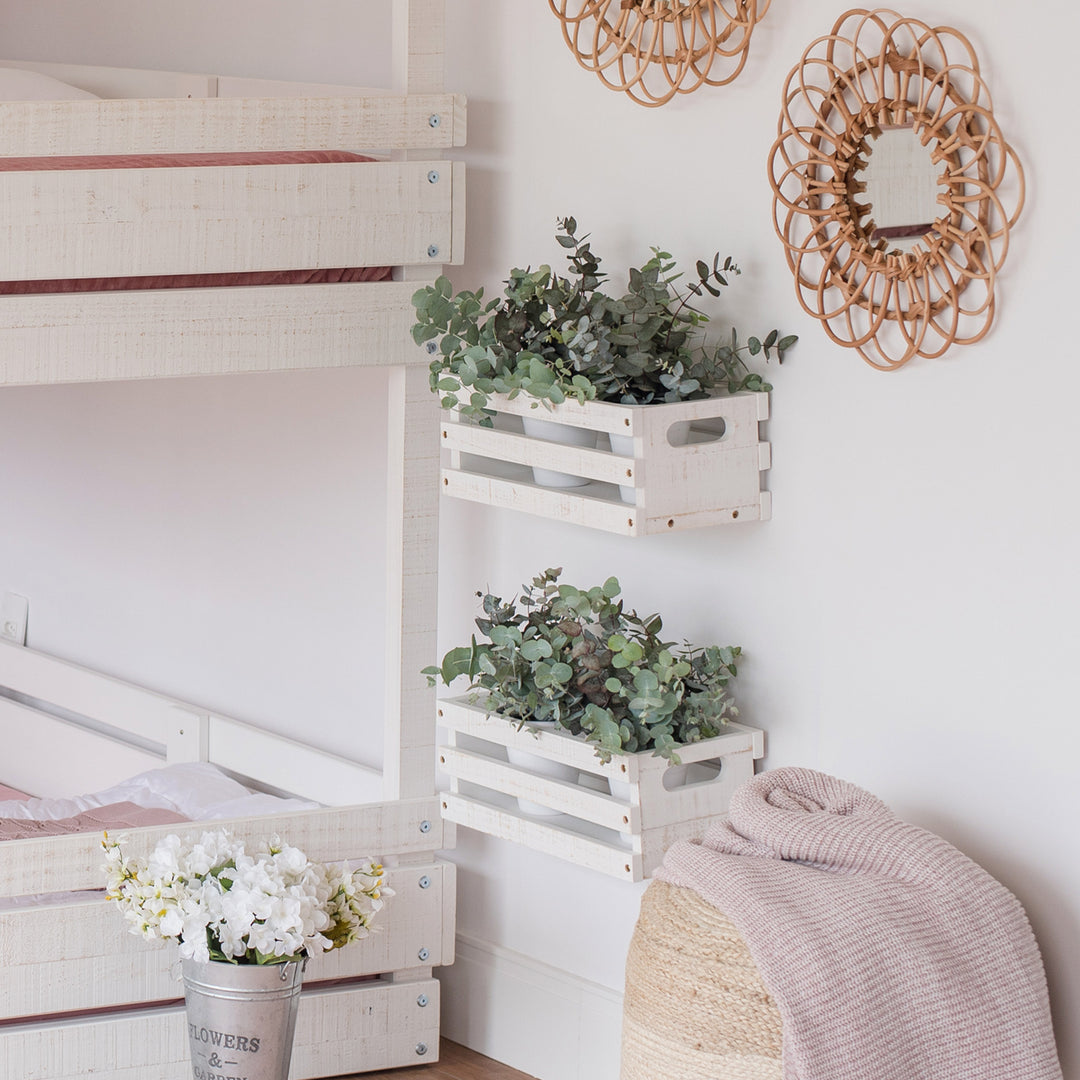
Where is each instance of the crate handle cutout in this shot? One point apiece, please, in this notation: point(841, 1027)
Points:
point(695, 432)
point(693, 774)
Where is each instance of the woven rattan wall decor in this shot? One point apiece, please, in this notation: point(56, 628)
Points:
point(655, 49)
point(893, 291)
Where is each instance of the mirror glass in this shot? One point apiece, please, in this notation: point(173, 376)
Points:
point(901, 188)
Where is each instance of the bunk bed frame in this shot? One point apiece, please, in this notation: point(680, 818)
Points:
point(78, 995)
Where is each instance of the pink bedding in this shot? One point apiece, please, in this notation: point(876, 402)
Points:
point(122, 815)
point(189, 281)
point(11, 793)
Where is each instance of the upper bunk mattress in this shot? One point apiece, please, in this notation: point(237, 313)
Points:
point(189, 281)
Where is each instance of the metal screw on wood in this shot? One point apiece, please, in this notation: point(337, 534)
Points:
point(421, 1049)
point(434, 120)
point(431, 347)
point(423, 954)
point(433, 250)
point(433, 177)
point(425, 826)
point(422, 1001)
point(425, 882)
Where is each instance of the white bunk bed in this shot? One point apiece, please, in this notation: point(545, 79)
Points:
point(78, 995)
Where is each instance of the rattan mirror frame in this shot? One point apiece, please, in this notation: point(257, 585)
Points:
point(877, 70)
point(655, 49)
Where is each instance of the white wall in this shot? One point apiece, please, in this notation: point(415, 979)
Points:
point(908, 616)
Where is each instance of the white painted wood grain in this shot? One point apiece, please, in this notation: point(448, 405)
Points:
point(180, 125)
point(528, 450)
point(80, 955)
point(68, 338)
point(417, 43)
point(374, 1025)
point(61, 863)
point(563, 796)
point(540, 834)
point(136, 222)
point(412, 582)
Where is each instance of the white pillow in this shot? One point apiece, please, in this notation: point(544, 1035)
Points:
point(20, 84)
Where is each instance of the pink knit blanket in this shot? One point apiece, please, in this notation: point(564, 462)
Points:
point(891, 956)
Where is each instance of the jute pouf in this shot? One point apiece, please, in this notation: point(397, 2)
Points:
point(695, 1006)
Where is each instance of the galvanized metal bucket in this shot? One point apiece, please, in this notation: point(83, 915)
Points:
point(241, 1018)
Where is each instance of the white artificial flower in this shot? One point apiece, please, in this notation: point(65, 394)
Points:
point(215, 898)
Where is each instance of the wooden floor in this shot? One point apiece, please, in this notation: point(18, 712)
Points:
point(455, 1063)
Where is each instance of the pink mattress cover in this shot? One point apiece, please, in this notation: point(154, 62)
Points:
point(188, 281)
point(122, 815)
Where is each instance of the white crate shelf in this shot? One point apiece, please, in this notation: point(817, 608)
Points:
point(624, 834)
point(713, 479)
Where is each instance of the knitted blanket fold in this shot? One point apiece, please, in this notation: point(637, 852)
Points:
point(891, 955)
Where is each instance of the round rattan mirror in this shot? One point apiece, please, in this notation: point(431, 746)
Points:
point(898, 256)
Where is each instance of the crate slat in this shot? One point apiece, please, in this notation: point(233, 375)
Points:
point(541, 835)
point(568, 798)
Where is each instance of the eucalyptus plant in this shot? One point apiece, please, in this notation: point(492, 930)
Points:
point(555, 336)
point(579, 658)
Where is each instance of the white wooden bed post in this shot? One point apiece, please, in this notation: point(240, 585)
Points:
point(413, 492)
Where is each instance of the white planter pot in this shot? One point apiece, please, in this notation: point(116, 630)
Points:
point(567, 436)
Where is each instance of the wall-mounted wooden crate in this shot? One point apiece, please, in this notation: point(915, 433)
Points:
point(662, 483)
point(623, 834)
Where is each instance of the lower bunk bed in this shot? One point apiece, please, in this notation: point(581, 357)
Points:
point(79, 995)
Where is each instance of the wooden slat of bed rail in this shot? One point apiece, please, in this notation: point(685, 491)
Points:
point(174, 332)
point(207, 125)
point(40, 769)
point(61, 863)
point(88, 693)
point(80, 955)
point(290, 766)
point(371, 1026)
point(98, 758)
point(108, 223)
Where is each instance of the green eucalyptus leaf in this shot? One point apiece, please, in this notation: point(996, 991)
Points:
point(535, 649)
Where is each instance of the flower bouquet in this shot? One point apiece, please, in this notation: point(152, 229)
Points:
point(220, 902)
point(246, 924)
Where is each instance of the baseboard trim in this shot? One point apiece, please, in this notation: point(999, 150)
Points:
point(539, 1019)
